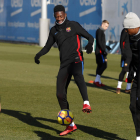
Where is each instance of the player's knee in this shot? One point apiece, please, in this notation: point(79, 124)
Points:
point(78, 79)
point(60, 96)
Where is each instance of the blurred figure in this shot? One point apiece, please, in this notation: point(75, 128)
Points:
point(100, 52)
point(126, 56)
point(132, 24)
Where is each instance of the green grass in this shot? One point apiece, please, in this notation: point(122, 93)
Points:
point(30, 107)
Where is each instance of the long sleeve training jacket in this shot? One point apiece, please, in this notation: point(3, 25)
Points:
point(125, 45)
point(67, 36)
point(100, 41)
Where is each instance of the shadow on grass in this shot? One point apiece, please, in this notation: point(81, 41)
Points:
point(108, 88)
point(28, 119)
point(91, 130)
point(106, 77)
point(46, 136)
point(33, 121)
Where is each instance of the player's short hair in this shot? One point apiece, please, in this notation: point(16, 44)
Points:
point(105, 21)
point(58, 8)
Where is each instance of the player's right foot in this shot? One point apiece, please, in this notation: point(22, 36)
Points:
point(86, 108)
point(97, 84)
point(68, 130)
point(118, 90)
point(127, 90)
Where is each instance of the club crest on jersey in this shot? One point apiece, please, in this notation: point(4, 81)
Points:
point(68, 29)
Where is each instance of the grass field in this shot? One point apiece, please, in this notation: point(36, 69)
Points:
point(30, 107)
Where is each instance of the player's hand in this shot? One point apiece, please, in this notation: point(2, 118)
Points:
point(37, 59)
point(89, 48)
point(108, 48)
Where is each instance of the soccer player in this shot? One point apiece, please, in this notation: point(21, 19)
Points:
point(132, 24)
point(126, 57)
point(67, 35)
point(100, 52)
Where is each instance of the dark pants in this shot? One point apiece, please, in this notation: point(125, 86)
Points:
point(63, 79)
point(101, 64)
point(126, 67)
point(135, 106)
point(130, 75)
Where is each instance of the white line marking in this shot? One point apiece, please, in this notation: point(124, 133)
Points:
point(35, 12)
point(16, 12)
point(87, 12)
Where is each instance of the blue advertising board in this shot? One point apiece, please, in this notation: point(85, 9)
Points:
point(19, 19)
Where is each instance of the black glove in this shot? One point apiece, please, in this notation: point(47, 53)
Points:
point(108, 48)
point(89, 48)
point(37, 59)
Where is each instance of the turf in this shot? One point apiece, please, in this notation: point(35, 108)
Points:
point(30, 107)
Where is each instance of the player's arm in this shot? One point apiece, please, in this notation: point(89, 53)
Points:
point(123, 41)
point(82, 32)
point(46, 48)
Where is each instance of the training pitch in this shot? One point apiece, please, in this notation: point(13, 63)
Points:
point(29, 104)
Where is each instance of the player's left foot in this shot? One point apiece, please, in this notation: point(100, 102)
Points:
point(86, 108)
point(68, 130)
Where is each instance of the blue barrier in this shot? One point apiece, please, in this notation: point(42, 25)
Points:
point(19, 19)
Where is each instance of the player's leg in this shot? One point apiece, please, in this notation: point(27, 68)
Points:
point(61, 91)
point(130, 78)
point(67, 84)
point(99, 65)
point(135, 106)
point(102, 65)
point(100, 69)
point(121, 76)
point(63, 80)
point(77, 72)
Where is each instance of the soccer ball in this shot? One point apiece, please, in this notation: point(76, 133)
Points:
point(65, 117)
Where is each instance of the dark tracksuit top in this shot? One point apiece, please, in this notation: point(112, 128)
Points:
point(100, 45)
point(135, 90)
point(125, 49)
point(67, 38)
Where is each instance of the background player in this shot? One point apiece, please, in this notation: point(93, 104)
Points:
point(126, 56)
point(100, 52)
